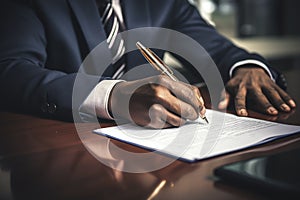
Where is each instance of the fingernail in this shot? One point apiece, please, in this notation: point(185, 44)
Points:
point(243, 112)
point(272, 110)
point(285, 107)
point(292, 103)
point(203, 111)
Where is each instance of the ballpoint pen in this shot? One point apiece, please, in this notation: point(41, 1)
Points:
point(161, 66)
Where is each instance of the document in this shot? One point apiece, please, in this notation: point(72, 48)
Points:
point(198, 140)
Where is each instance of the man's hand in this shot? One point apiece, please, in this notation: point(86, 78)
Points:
point(155, 102)
point(252, 86)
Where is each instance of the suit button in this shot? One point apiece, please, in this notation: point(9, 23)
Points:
point(45, 107)
point(52, 108)
point(282, 82)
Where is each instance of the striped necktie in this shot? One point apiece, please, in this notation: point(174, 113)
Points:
point(112, 27)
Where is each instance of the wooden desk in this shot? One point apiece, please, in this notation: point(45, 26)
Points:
point(45, 159)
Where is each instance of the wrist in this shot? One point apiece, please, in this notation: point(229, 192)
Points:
point(251, 63)
point(113, 98)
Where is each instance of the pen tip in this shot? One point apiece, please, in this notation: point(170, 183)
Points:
point(205, 119)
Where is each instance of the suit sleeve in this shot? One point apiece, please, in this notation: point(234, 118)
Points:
point(25, 81)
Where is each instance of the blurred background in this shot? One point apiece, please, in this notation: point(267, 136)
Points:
point(268, 27)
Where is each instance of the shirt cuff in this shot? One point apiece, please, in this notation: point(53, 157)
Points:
point(97, 101)
point(253, 62)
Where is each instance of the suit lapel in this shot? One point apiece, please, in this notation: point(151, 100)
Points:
point(88, 18)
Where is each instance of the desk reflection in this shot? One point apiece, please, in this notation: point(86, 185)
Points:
point(72, 173)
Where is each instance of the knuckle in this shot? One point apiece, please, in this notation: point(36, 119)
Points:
point(159, 97)
point(286, 98)
point(267, 105)
point(251, 86)
point(240, 98)
point(236, 88)
point(188, 93)
point(159, 93)
point(270, 90)
point(230, 83)
point(278, 102)
point(155, 112)
point(177, 107)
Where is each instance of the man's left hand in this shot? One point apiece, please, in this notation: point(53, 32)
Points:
point(253, 86)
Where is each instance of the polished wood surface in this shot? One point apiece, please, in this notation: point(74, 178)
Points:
point(46, 159)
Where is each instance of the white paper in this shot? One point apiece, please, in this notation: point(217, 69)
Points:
point(197, 140)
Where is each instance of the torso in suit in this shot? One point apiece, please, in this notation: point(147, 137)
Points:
point(43, 43)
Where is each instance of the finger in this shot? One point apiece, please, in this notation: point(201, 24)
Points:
point(161, 118)
point(240, 102)
point(179, 108)
point(192, 96)
point(174, 120)
point(186, 93)
point(276, 99)
point(287, 99)
point(201, 107)
point(263, 102)
point(225, 99)
point(157, 113)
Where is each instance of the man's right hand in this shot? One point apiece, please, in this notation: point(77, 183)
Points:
point(155, 102)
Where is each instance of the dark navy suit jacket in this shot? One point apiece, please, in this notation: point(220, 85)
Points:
point(43, 43)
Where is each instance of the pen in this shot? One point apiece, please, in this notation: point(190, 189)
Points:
point(161, 66)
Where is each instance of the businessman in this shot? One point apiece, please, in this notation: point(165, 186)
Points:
point(44, 42)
